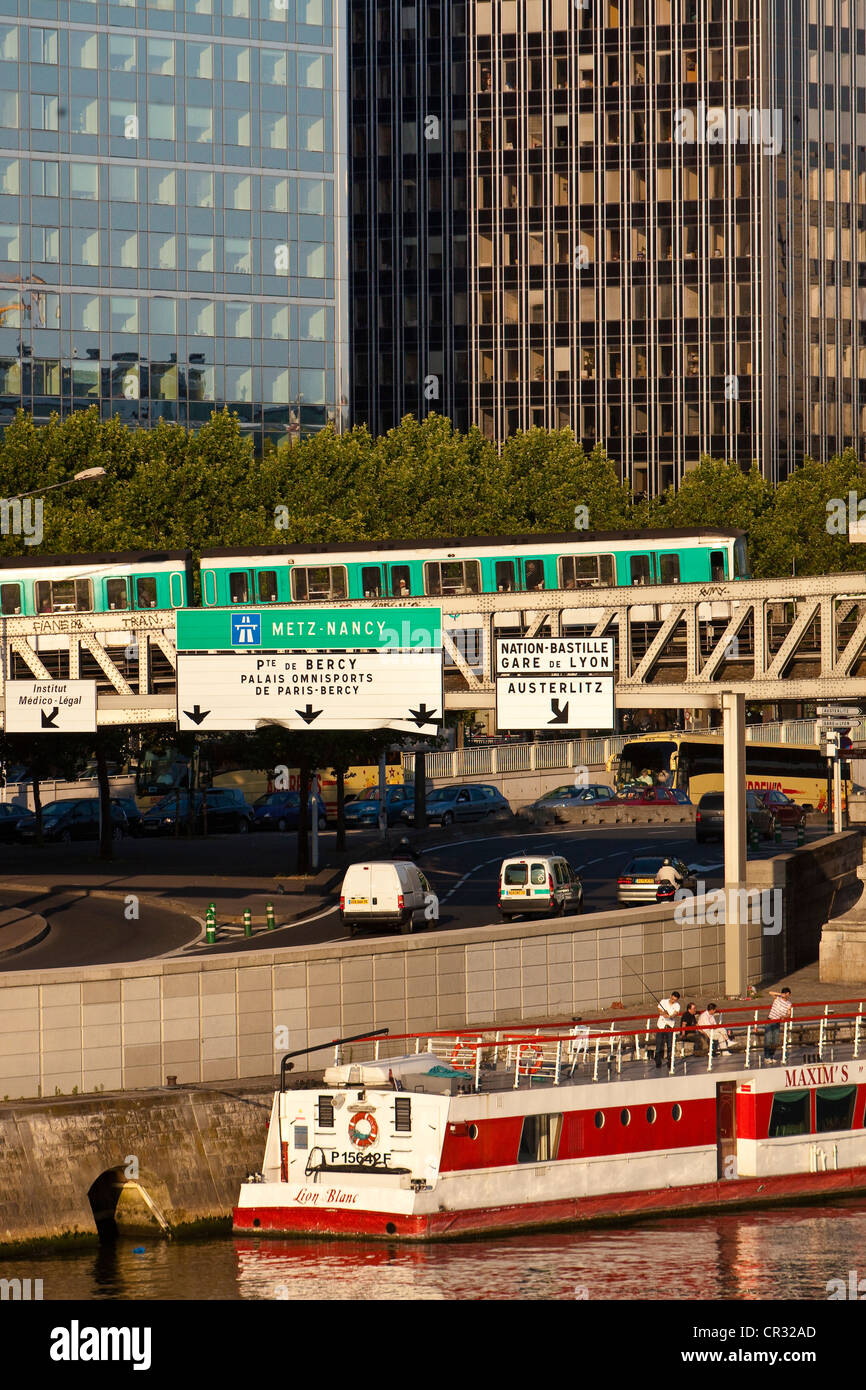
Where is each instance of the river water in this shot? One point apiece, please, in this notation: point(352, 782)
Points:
point(786, 1253)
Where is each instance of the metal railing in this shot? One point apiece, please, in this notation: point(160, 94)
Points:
point(549, 1052)
point(590, 753)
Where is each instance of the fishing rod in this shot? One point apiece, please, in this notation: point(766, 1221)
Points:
point(644, 983)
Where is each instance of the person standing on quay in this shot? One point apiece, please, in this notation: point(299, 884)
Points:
point(781, 1009)
point(668, 1012)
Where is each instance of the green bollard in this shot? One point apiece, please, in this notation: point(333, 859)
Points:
point(210, 924)
point(269, 917)
point(248, 922)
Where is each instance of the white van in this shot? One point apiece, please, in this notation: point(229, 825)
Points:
point(539, 883)
point(386, 893)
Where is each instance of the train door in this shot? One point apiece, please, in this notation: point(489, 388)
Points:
point(372, 583)
point(726, 1129)
point(532, 573)
point(399, 581)
point(640, 569)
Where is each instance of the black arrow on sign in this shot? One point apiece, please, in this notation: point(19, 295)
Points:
point(560, 716)
point(423, 715)
point(48, 719)
point(308, 714)
point(197, 714)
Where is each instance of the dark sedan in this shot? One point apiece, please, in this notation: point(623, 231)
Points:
point(710, 817)
point(280, 811)
point(226, 810)
point(364, 810)
point(9, 818)
point(652, 796)
point(596, 794)
point(463, 803)
point(75, 819)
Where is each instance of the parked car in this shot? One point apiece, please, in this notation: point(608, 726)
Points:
point(226, 810)
point(637, 882)
point(652, 796)
point(461, 803)
point(281, 810)
point(539, 884)
point(75, 819)
point(710, 817)
point(386, 893)
point(783, 809)
point(595, 794)
point(9, 818)
point(129, 807)
point(364, 810)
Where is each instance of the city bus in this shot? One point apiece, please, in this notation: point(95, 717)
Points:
point(693, 763)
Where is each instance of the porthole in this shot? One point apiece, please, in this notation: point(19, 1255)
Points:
point(650, 1114)
point(599, 1119)
point(390, 1229)
point(625, 1117)
point(677, 1112)
point(473, 1131)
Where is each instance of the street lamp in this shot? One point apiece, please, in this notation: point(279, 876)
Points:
point(87, 475)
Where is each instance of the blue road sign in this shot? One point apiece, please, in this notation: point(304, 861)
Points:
point(246, 629)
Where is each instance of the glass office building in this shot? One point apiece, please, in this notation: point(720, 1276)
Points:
point(173, 211)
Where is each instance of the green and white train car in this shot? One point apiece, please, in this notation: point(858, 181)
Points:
point(134, 580)
point(568, 561)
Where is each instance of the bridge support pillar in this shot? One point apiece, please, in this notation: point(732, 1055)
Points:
point(736, 909)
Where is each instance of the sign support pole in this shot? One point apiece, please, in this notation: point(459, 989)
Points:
point(736, 931)
point(383, 808)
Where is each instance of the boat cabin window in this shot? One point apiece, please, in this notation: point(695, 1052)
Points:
point(64, 596)
point(790, 1114)
point(319, 581)
point(717, 566)
point(266, 583)
point(506, 582)
point(639, 567)
point(834, 1108)
point(585, 571)
point(371, 581)
point(452, 577)
point(515, 875)
point(239, 587)
point(539, 1141)
point(116, 595)
point(10, 599)
point(145, 592)
point(669, 569)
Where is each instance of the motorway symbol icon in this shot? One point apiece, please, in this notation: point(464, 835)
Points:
point(246, 629)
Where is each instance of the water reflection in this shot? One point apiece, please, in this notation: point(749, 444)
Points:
point(789, 1253)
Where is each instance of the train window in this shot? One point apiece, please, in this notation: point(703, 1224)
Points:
point(10, 599)
point(401, 581)
point(371, 581)
point(506, 582)
point(639, 567)
point(266, 583)
point(834, 1108)
point(534, 571)
point(741, 560)
point(239, 587)
point(319, 581)
point(585, 571)
point(145, 592)
point(64, 596)
point(717, 566)
point(669, 569)
point(175, 588)
point(208, 585)
point(452, 577)
point(116, 594)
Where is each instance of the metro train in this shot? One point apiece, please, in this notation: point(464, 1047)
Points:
point(41, 585)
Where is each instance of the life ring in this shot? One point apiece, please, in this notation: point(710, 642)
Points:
point(529, 1068)
point(363, 1129)
point(459, 1059)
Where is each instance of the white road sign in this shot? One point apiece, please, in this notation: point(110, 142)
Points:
point(50, 707)
point(554, 702)
point(550, 655)
point(839, 711)
point(311, 690)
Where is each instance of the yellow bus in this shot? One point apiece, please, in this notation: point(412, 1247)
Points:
point(693, 763)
